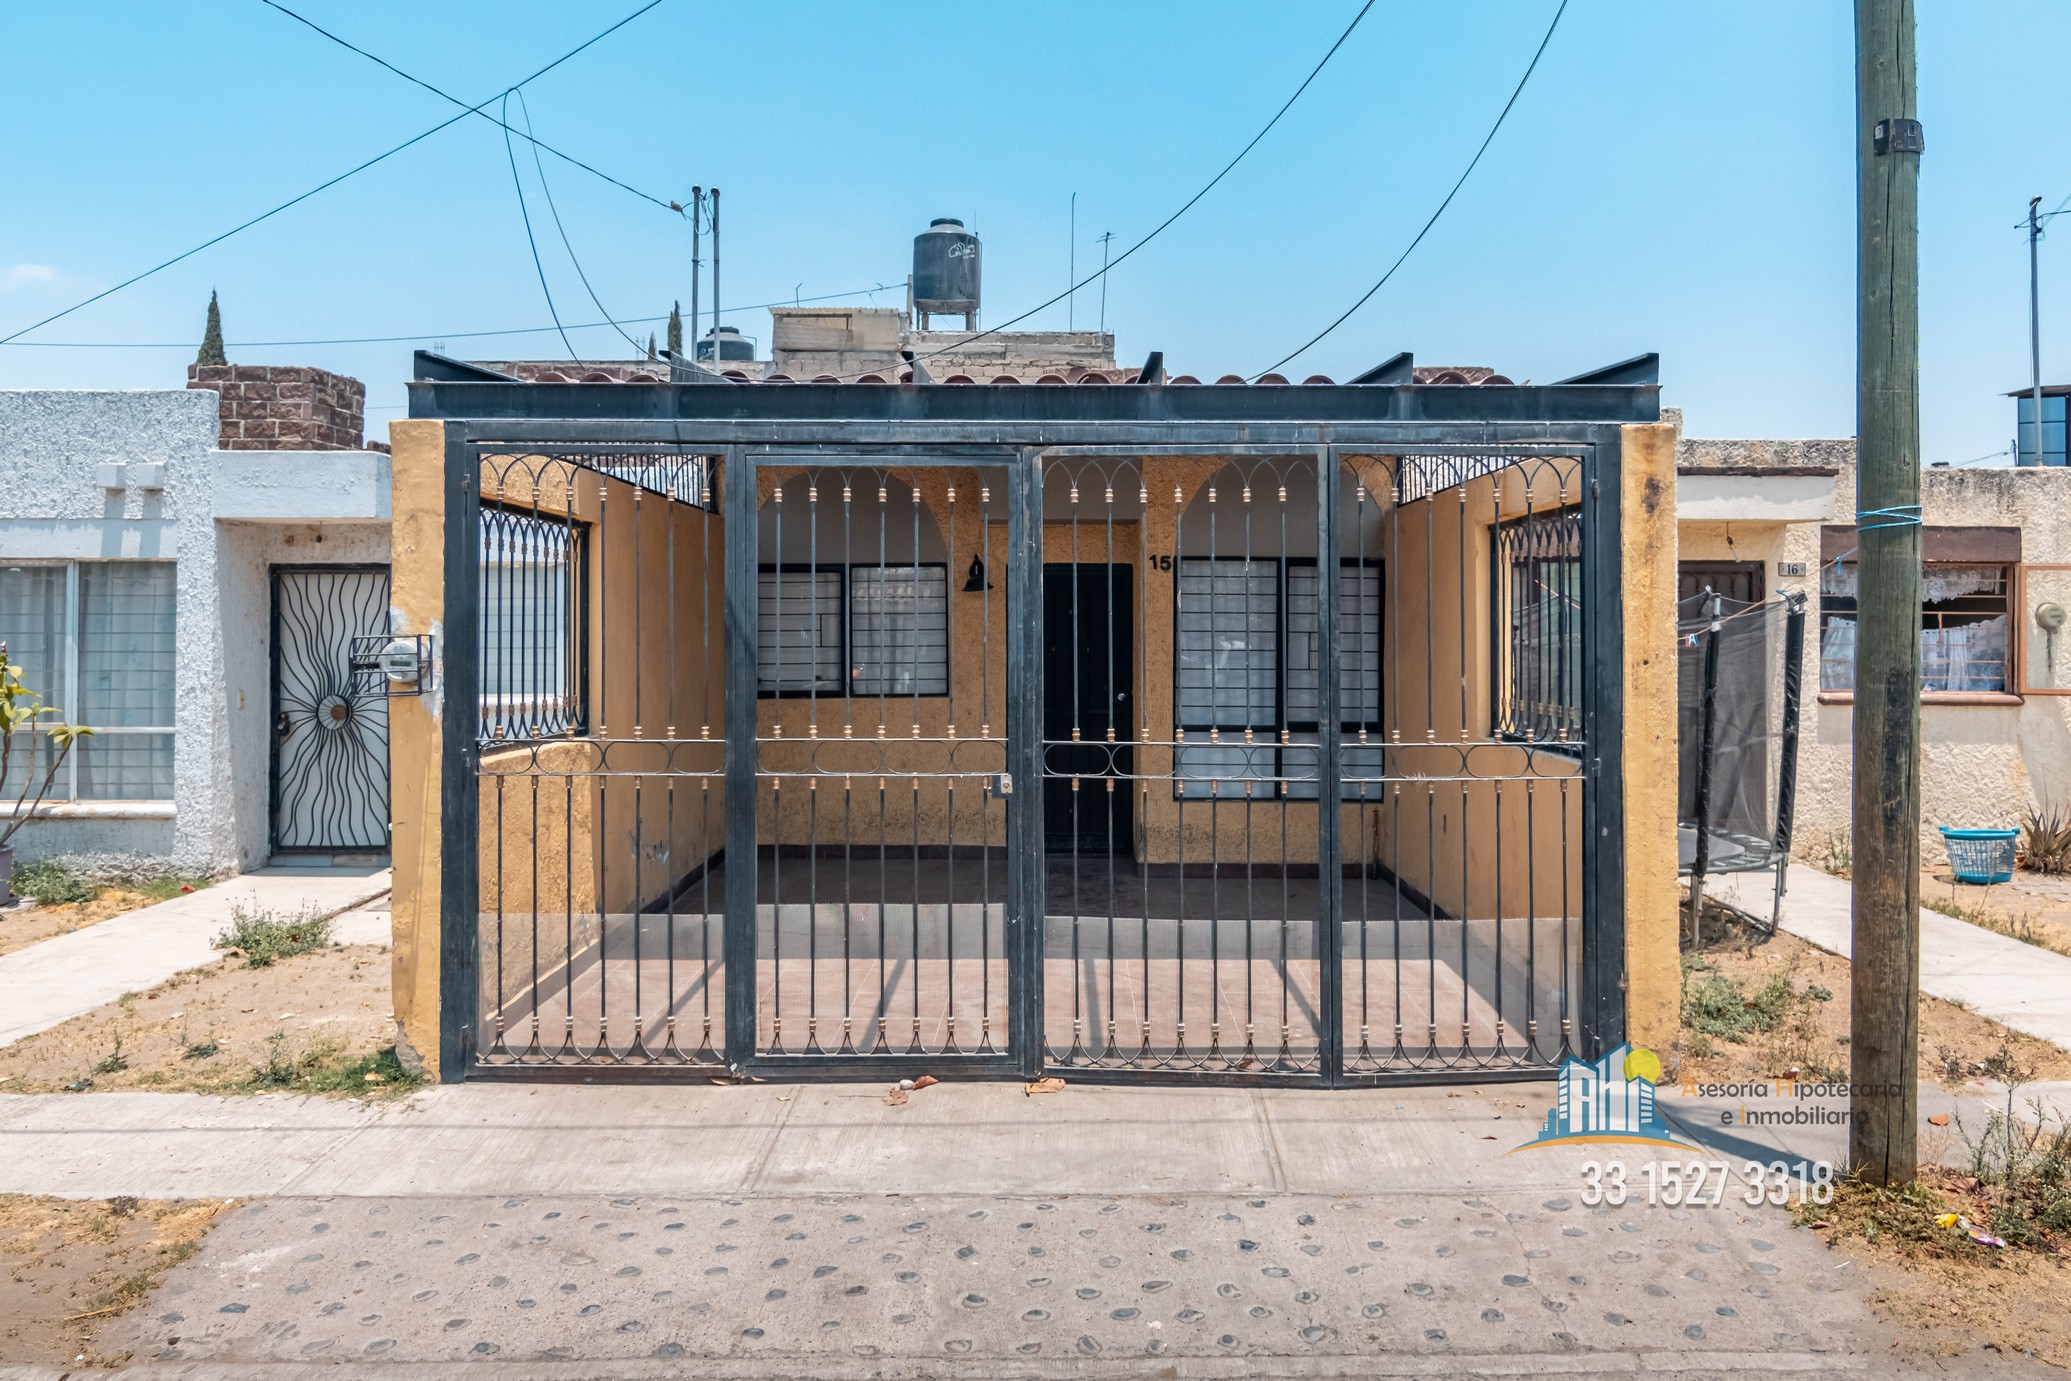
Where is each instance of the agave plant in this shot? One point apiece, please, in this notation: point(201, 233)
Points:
point(2046, 839)
point(20, 711)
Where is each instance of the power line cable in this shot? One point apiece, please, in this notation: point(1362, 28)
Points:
point(525, 114)
point(532, 243)
point(526, 134)
point(420, 335)
point(1116, 263)
point(1344, 316)
point(333, 182)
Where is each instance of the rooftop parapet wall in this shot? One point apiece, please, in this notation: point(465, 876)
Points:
point(1699, 453)
point(265, 407)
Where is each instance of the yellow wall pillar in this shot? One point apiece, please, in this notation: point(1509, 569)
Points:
point(417, 605)
point(1647, 581)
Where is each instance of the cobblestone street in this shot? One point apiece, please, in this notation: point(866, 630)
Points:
point(852, 1285)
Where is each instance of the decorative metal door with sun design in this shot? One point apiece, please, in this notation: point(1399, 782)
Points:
point(330, 741)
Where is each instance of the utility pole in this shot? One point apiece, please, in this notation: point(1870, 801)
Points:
point(2034, 328)
point(1884, 1017)
point(715, 283)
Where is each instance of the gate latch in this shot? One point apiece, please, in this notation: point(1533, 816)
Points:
point(1003, 784)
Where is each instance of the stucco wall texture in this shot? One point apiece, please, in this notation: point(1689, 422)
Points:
point(54, 505)
point(1982, 765)
point(52, 445)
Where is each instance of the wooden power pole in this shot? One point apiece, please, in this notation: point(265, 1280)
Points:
point(1885, 985)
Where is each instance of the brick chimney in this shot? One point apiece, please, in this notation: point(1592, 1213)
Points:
point(269, 407)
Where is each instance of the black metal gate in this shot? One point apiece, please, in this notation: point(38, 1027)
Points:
point(853, 760)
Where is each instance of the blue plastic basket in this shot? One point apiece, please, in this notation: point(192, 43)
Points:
point(1980, 856)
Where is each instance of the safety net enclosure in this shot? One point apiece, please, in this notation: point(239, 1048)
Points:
point(1738, 688)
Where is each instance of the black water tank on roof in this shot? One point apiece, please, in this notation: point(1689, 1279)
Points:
point(945, 268)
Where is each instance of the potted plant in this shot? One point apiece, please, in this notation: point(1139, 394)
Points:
point(20, 708)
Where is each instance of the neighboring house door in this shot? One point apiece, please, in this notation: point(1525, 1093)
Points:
point(330, 741)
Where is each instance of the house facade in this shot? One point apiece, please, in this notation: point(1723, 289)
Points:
point(1756, 519)
point(822, 728)
point(178, 568)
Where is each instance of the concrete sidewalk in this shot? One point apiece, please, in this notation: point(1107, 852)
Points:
point(2017, 985)
point(70, 974)
point(976, 1138)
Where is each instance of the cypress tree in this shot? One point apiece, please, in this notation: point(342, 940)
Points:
point(212, 337)
point(676, 328)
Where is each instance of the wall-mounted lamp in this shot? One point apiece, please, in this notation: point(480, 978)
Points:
point(975, 582)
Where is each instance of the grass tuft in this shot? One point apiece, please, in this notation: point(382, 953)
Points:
point(264, 939)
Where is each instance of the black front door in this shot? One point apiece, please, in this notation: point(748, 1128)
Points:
point(1088, 698)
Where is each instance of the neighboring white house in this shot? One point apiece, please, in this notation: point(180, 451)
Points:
point(194, 605)
point(1758, 518)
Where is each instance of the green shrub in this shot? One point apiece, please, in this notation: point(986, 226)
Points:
point(1716, 1005)
point(263, 939)
point(54, 882)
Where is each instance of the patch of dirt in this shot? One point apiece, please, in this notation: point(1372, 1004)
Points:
point(2033, 907)
point(1813, 1036)
point(1949, 1297)
point(207, 1030)
point(25, 925)
point(70, 1266)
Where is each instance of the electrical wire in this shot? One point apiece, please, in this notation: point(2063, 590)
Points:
point(1346, 315)
point(532, 243)
point(526, 134)
point(333, 182)
point(525, 114)
point(421, 335)
point(1160, 228)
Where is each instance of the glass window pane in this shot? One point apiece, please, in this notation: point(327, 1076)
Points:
point(32, 624)
point(798, 637)
point(126, 644)
point(899, 630)
point(1229, 628)
point(1359, 644)
point(125, 767)
point(531, 625)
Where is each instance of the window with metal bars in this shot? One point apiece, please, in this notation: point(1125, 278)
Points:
point(95, 639)
point(1249, 658)
point(860, 629)
point(534, 679)
point(1537, 590)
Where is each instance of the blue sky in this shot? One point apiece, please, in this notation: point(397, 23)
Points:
point(1677, 178)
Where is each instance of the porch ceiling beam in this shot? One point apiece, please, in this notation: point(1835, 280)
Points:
point(1198, 438)
point(1626, 393)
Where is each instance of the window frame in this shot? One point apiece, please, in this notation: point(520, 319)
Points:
point(1279, 779)
point(1503, 661)
point(845, 597)
point(65, 787)
point(2012, 595)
